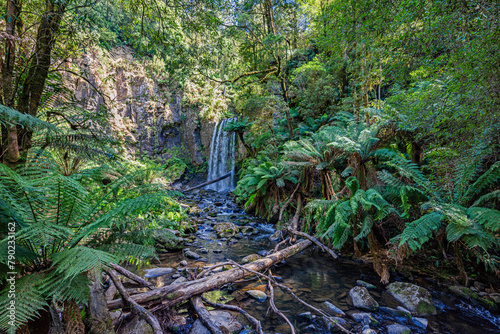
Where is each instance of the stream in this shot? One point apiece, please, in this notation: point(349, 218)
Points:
point(313, 276)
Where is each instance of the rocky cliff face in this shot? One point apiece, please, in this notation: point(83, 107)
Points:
point(147, 110)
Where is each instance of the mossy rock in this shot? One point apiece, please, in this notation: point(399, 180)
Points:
point(225, 230)
point(414, 298)
point(362, 299)
point(467, 293)
point(166, 241)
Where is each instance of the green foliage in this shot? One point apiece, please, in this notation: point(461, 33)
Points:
point(57, 217)
point(356, 213)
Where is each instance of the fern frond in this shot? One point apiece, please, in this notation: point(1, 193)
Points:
point(489, 218)
point(419, 232)
point(29, 302)
point(491, 176)
point(81, 259)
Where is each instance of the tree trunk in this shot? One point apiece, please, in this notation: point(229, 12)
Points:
point(171, 295)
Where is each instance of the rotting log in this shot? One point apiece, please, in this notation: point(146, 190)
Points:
point(210, 182)
point(171, 295)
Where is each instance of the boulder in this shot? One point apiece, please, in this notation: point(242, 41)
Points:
point(249, 230)
point(398, 329)
point(414, 298)
point(361, 299)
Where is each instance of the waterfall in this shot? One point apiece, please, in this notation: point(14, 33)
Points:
point(221, 160)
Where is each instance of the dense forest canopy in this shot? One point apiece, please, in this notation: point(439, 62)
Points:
point(373, 125)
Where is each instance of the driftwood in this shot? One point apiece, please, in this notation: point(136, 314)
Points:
point(205, 317)
point(132, 276)
point(253, 321)
point(210, 182)
point(137, 309)
point(316, 242)
point(171, 295)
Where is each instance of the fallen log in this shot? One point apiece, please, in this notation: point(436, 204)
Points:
point(171, 295)
point(132, 276)
point(210, 182)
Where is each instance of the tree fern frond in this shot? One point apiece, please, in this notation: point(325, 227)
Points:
point(491, 176)
point(419, 232)
point(366, 227)
point(486, 198)
point(10, 117)
point(29, 301)
point(126, 251)
point(489, 218)
point(80, 259)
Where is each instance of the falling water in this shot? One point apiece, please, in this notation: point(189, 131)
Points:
point(221, 159)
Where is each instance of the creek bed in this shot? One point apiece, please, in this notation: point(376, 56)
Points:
point(314, 277)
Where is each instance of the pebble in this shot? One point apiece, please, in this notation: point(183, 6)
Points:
point(203, 251)
point(184, 263)
point(217, 251)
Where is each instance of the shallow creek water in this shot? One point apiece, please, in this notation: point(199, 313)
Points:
point(314, 277)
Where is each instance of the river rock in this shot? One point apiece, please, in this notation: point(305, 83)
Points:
point(333, 308)
point(361, 298)
point(396, 312)
point(184, 263)
point(250, 258)
point(181, 279)
point(225, 230)
point(257, 295)
point(157, 272)
point(217, 251)
point(203, 250)
point(224, 319)
point(420, 322)
point(364, 318)
point(191, 255)
point(307, 315)
point(137, 326)
point(398, 329)
point(368, 331)
point(366, 284)
point(166, 240)
point(248, 230)
point(415, 298)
